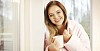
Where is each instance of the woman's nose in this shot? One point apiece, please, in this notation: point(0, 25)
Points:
point(56, 16)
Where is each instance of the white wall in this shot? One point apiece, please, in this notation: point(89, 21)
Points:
point(24, 25)
point(36, 25)
point(96, 25)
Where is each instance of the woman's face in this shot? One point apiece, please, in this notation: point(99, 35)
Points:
point(56, 15)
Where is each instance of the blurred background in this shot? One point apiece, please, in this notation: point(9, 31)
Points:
point(9, 25)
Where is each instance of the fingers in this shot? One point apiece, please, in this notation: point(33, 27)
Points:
point(65, 31)
point(55, 42)
point(52, 40)
point(67, 34)
point(53, 47)
point(68, 31)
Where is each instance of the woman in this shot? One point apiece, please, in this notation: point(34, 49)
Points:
point(74, 36)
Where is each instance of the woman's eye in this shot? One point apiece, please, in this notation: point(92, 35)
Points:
point(58, 12)
point(50, 15)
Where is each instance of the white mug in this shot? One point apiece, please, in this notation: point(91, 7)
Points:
point(59, 39)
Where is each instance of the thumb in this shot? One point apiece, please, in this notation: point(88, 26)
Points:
point(65, 31)
point(70, 32)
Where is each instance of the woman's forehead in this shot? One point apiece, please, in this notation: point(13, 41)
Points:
point(54, 8)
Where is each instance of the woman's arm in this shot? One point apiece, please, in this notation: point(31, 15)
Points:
point(53, 46)
point(79, 41)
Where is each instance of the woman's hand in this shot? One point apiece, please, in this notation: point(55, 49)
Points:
point(67, 35)
point(54, 46)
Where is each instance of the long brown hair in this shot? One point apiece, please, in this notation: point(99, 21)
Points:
point(51, 27)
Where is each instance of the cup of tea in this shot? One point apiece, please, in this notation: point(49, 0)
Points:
point(59, 40)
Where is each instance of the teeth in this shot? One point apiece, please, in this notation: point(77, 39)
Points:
point(57, 20)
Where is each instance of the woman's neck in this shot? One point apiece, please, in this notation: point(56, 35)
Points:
point(59, 26)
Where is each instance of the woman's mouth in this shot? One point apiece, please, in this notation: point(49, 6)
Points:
point(57, 20)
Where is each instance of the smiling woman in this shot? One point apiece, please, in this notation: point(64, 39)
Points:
point(57, 23)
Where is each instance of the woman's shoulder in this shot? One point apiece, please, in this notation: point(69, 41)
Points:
point(72, 24)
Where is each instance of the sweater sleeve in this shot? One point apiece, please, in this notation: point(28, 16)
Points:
point(46, 44)
point(46, 39)
point(79, 41)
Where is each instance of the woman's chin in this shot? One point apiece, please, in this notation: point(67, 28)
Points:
point(59, 24)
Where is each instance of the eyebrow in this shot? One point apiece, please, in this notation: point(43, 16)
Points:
point(57, 10)
point(50, 13)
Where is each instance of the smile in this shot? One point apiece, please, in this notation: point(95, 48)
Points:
point(58, 20)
